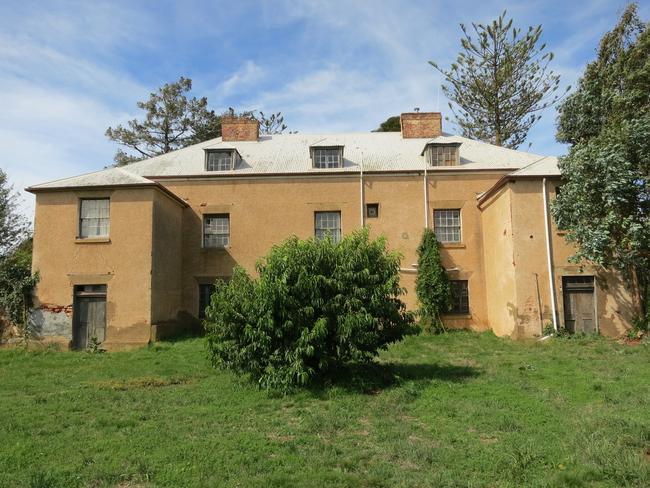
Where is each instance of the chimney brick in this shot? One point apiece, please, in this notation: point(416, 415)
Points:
point(235, 128)
point(421, 124)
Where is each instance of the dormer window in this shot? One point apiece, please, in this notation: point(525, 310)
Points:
point(327, 157)
point(221, 159)
point(443, 154)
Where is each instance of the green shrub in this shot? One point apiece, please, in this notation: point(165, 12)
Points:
point(16, 284)
point(432, 284)
point(315, 306)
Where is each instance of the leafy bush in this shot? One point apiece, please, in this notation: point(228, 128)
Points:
point(16, 284)
point(432, 284)
point(315, 306)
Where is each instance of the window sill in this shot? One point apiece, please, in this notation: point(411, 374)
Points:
point(457, 315)
point(214, 248)
point(452, 245)
point(92, 240)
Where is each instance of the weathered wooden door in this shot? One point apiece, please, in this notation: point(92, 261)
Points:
point(89, 321)
point(579, 304)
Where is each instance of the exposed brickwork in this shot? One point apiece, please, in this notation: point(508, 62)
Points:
point(49, 307)
point(421, 124)
point(235, 128)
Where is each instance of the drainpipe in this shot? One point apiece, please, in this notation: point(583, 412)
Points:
point(361, 194)
point(426, 197)
point(549, 262)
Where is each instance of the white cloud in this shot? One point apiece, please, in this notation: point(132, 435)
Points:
point(245, 77)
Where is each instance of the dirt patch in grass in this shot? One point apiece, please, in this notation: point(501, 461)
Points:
point(144, 382)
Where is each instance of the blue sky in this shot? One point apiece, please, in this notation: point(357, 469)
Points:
point(69, 69)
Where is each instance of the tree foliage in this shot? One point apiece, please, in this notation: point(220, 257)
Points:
point(604, 203)
point(171, 121)
point(16, 284)
point(13, 226)
point(500, 82)
point(432, 283)
point(391, 124)
point(272, 124)
point(316, 305)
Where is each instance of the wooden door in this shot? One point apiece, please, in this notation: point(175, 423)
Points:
point(89, 315)
point(579, 304)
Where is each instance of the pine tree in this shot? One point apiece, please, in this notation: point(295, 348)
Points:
point(500, 82)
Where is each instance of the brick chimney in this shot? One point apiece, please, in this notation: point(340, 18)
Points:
point(421, 125)
point(236, 128)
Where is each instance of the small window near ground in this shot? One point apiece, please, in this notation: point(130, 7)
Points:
point(372, 210)
point(459, 297)
point(216, 230)
point(447, 225)
point(94, 217)
point(205, 294)
point(327, 157)
point(328, 224)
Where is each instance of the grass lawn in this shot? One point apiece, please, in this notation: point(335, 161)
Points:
point(459, 409)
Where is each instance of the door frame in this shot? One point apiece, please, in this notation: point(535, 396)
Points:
point(78, 292)
point(594, 290)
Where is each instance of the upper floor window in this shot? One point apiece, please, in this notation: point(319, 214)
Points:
point(94, 217)
point(328, 224)
point(221, 159)
point(443, 155)
point(327, 157)
point(216, 230)
point(446, 224)
point(459, 297)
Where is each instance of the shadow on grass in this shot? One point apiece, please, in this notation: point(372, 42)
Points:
point(372, 378)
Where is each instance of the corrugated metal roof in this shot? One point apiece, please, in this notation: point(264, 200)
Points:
point(289, 153)
point(106, 177)
point(546, 166)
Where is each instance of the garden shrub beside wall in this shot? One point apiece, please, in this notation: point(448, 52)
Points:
point(316, 305)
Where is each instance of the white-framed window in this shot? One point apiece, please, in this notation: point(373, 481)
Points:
point(443, 155)
point(446, 225)
point(327, 224)
point(327, 157)
point(94, 217)
point(221, 160)
point(216, 230)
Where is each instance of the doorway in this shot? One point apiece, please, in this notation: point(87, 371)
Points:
point(89, 320)
point(579, 304)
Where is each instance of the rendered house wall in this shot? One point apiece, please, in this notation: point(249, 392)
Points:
point(500, 288)
point(122, 262)
point(155, 260)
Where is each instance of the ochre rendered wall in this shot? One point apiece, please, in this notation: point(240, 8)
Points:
point(499, 263)
point(122, 262)
point(154, 261)
point(167, 259)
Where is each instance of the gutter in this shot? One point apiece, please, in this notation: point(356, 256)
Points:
point(152, 185)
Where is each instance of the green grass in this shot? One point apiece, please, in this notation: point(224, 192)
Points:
point(459, 409)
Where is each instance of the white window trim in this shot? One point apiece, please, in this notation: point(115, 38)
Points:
point(79, 218)
point(208, 215)
point(313, 150)
point(460, 225)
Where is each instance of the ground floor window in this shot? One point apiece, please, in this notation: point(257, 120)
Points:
point(459, 297)
point(205, 293)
